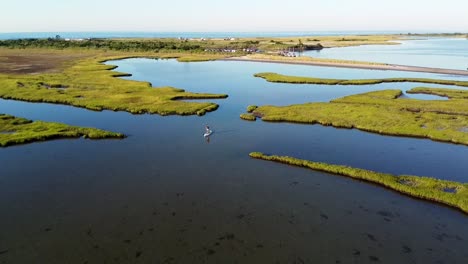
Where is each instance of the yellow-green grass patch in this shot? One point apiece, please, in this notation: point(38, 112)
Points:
point(248, 117)
point(15, 130)
point(279, 78)
point(251, 108)
point(381, 112)
point(88, 83)
point(450, 93)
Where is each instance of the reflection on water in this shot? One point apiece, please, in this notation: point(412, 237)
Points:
point(163, 195)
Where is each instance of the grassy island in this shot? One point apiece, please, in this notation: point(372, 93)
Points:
point(279, 78)
point(454, 194)
point(83, 80)
point(15, 130)
point(383, 112)
point(251, 108)
point(248, 117)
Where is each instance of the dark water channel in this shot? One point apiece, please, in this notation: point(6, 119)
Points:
point(165, 195)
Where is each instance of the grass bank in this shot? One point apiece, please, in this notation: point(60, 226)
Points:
point(454, 194)
point(86, 82)
point(279, 78)
point(251, 108)
point(382, 112)
point(450, 93)
point(15, 130)
point(248, 117)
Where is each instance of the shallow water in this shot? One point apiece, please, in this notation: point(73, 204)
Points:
point(166, 195)
point(432, 52)
point(424, 97)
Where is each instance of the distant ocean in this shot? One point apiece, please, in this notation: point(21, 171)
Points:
point(20, 35)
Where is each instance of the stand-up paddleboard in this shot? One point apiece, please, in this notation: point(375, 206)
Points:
point(207, 134)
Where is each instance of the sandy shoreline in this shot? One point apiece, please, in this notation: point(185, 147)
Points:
point(385, 67)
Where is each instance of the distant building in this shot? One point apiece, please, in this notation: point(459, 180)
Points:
point(250, 50)
point(287, 53)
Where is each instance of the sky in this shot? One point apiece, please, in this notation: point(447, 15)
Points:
point(233, 16)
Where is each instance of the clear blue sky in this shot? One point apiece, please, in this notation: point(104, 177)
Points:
point(237, 15)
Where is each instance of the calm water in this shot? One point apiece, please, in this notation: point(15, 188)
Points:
point(165, 195)
point(432, 52)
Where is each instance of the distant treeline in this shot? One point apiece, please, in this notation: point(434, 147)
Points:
point(122, 45)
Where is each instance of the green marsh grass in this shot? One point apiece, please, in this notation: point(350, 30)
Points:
point(15, 130)
point(248, 117)
point(426, 188)
point(251, 108)
point(90, 84)
point(381, 112)
point(450, 93)
point(279, 78)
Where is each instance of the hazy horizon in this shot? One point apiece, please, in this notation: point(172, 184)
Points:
point(411, 31)
point(241, 16)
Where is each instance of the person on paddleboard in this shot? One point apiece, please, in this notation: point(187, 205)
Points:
point(207, 129)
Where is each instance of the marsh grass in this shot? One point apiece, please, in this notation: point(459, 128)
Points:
point(381, 112)
point(279, 78)
point(426, 188)
point(248, 117)
point(15, 130)
point(251, 108)
point(88, 83)
point(450, 93)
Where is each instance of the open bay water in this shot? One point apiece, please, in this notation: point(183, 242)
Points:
point(166, 195)
point(450, 53)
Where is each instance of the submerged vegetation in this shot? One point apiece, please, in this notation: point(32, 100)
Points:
point(15, 130)
point(382, 112)
point(86, 82)
point(279, 78)
point(454, 194)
